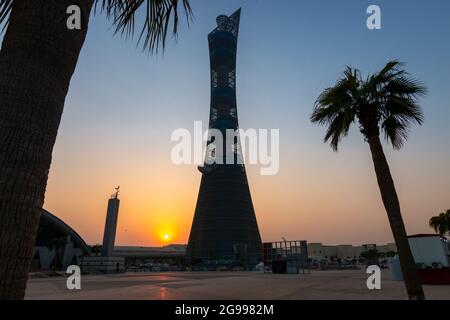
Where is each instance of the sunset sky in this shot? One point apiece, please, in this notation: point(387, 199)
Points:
point(124, 104)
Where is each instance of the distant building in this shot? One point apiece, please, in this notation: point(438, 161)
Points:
point(173, 254)
point(343, 253)
point(286, 256)
point(171, 250)
point(54, 237)
point(431, 254)
point(430, 250)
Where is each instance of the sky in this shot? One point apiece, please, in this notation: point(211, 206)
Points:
point(123, 105)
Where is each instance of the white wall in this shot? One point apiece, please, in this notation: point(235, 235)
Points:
point(430, 250)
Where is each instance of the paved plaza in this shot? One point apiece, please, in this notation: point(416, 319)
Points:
point(346, 284)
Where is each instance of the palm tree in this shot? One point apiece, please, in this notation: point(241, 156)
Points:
point(385, 102)
point(391, 254)
point(441, 223)
point(96, 249)
point(371, 256)
point(37, 59)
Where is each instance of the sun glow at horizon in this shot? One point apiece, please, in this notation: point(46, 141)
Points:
point(165, 236)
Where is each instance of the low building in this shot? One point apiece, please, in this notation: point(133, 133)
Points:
point(430, 250)
point(286, 256)
point(173, 254)
point(431, 254)
point(57, 245)
point(344, 253)
point(93, 264)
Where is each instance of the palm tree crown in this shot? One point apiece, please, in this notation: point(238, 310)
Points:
point(441, 223)
point(385, 100)
point(159, 16)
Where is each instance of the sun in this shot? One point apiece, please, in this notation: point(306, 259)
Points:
point(166, 235)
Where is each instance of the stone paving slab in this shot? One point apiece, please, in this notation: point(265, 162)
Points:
point(331, 284)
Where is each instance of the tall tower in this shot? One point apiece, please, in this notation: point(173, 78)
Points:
point(224, 230)
point(112, 214)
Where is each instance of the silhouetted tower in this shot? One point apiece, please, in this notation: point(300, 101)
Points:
point(112, 214)
point(224, 230)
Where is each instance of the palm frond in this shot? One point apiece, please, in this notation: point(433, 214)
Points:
point(405, 108)
point(392, 69)
point(159, 15)
point(5, 10)
point(374, 83)
point(338, 129)
point(335, 107)
point(441, 223)
point(329, 105)
point(405, 86)
point(398, 108)
point(395, 131)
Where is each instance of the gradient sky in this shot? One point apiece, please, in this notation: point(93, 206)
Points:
point(123, 105)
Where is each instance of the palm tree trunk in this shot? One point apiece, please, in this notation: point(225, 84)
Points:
point(37, 60)
point(392, 205)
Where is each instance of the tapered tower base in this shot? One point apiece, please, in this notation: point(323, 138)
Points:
point(224, 231)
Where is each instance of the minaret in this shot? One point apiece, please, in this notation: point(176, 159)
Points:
point(224, 229)
point(111, 224)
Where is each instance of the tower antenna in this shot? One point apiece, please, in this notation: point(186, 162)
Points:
point(116, 194)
